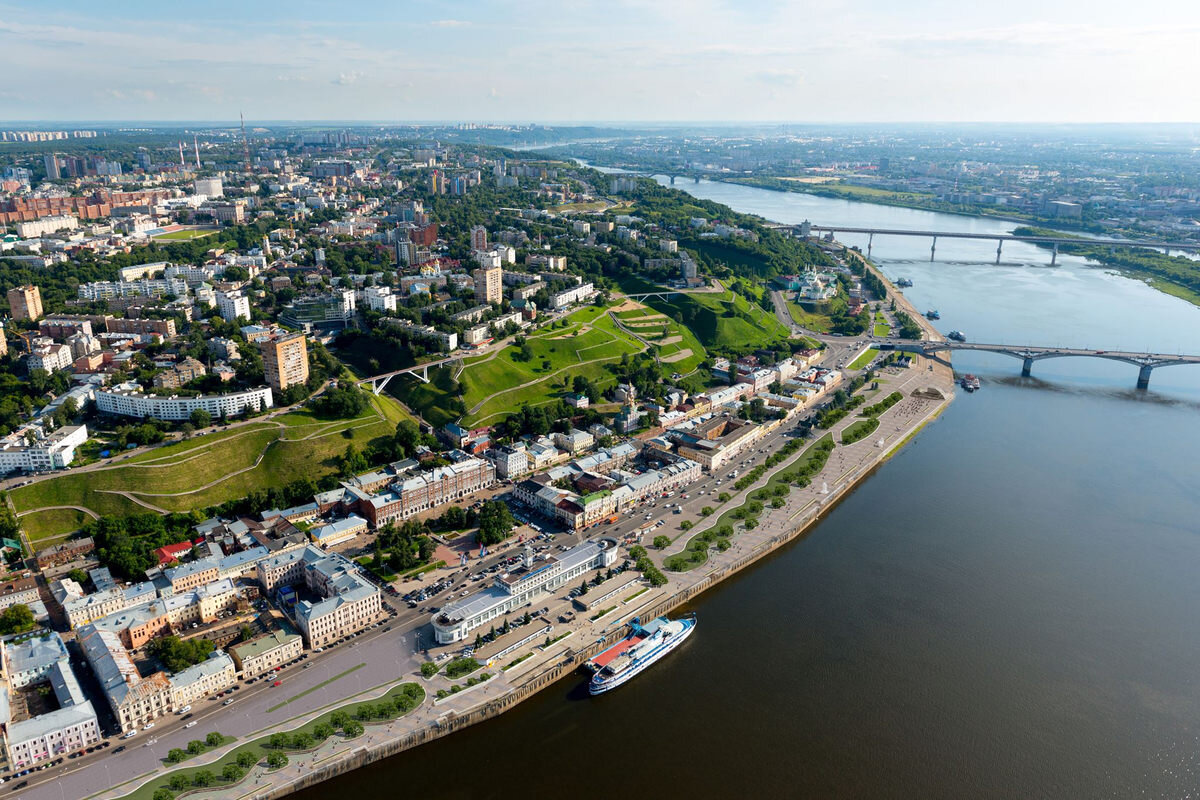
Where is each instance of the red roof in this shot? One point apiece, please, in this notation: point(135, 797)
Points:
point(171, 552)
point(611, 653)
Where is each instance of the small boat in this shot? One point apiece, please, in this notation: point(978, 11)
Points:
point(932, 314)
point(970, 383)
point(642, 647)
point(903, 283)
point(957, 336)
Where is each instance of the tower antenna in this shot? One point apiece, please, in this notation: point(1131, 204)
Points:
point(245, 144)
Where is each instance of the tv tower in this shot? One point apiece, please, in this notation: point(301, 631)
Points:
point(245, 144)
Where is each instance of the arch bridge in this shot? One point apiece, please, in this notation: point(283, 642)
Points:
point(419, 371)
point(1145, 362)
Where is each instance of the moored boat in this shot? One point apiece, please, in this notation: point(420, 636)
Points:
point(643, 646)
point(970, 382)
point(957, 336)
point(933, 313)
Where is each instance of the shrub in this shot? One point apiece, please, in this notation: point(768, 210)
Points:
point(232, 773)
point(176, 755)
point(214, 739)
point(195, 747)
point(276, 759)
point(661, 541)
point(203, 778)
point(179, 782)
point(163, 794)
point(352, 729)
point(246, 759)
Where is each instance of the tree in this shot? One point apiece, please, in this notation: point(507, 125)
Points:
point(495, 522)
point(179, 782)
point(352, 729)
point(322, 731)
point(428, 669)
point(176, 755)
point(214, 739)
point(187, 429)
point(195, 747)
point(203, 778)
point(706, 511)
point(177, 655)
point(17, 618)
point(302, 740)
point(276, 759)
point(231, 773)
point(723, 497)
point(661, 541)
point(200, 418)
point(245, 759)
point(78, 575)
point(278, 741)
point(686, 525)
point(163, 794)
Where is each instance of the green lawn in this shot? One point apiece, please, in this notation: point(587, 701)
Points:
point(53, 522)
point(716, 319)
point(818, 323)
point(186, 235)
point(866, 358)
point(170, 477)
point(589, 341)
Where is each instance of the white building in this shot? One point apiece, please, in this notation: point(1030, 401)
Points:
point(577, 294)
point(54, 450)
point(44, 225)
point(515, 590)
point(49, 356)
point(233, 306)
point(214, 674)
point(127, 400)
point(209, 187)
point(379, 298)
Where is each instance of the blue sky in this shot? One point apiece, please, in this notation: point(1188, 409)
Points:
point(653, 60)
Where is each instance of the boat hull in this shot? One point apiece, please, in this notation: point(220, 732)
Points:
point(601, 683)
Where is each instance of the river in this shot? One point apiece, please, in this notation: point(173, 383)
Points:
point(1008, 608)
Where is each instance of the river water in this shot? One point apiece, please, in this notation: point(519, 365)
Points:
point(1008, 608)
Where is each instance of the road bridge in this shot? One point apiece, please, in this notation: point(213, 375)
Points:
point(418, 371)
point(1145, 362)
point(807, 228)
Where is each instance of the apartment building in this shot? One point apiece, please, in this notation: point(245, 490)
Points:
point(489, 284)
point(260, 656)
point(285, 360)
point(134, 700)
point(428, 490)
point(215, 674)
point(25, 302)
point(127, 400)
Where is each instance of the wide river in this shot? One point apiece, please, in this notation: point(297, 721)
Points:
point(1008, 608)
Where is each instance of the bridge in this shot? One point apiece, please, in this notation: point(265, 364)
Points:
point(999, 238)
point(1145, 362)
point(418, 371)
point(664, 295)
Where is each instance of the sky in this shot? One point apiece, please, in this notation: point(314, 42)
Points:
point(610, 60)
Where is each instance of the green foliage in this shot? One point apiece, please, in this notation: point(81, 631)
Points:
point(276, 759)
point(343, 402)
point(177, 654)
point(458, 667)
point(883, 405)
point(860, 430)
point(661, 541)
point(429, 669)
point(17, 618)
point(163, 794)
point(495, 523)
point(176, 755)
point(214, 739)
point(246, 759)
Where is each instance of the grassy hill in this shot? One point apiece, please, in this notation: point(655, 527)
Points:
point(494, 385)
point(204, 471)
point(718, 320)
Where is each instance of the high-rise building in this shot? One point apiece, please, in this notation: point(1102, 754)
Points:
point(285, 360)
point(479, 238)
point(25, 302)
point(266, 246)
point(3, 343)
point(52, 171)
point(233, 306)
point(489, 285)
point(209, 187)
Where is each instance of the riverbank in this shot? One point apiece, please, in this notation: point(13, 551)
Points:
point(847, 466)
point(881, 198)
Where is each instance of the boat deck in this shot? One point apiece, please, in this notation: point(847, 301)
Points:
point(603, 659)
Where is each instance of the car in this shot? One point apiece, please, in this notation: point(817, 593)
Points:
point(227, 702)
point(129, 734)
point(120, 749)
point(184, 710)
point(191, 724)
point(277, 683)
point(186, 716)
point(148, 726)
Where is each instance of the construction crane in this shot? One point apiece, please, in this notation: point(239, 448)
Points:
point(245, 143)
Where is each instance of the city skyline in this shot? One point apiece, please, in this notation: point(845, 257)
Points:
point(624, 61)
